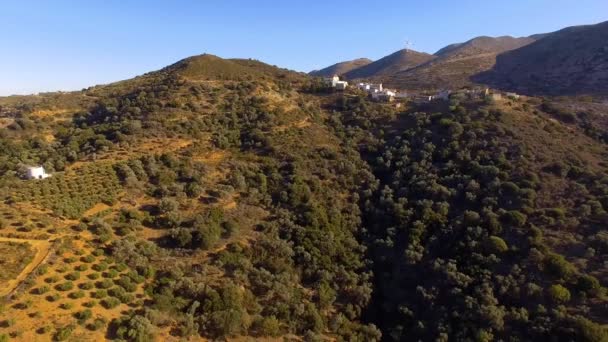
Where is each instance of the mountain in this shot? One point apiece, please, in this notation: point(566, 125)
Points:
point(207, 66)
point(341, 68)
point(401, 60)
point(456, 63)
point(568, 62)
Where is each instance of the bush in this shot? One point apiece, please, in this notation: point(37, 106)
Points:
point(89, 304)
point(82, 267)
point(515, 218)
point(110, 302)
point(83, 316)
point(54, 297)
point(99, 294)
point(64, 333)
point(135, 328)
point(558, 294)
point(104, 284)
point(67, 286)
point(496, 245)
point(97, 324)
point(41, 290)
point(589, 285)
point(72, 276)
point(67, 306)
point(269, 326)
point(102, 266)
point(87, 286)
point(557, 265)
point(93, 276)
point(77, 294)
point(88, 259)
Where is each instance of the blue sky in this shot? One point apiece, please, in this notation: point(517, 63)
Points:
point(68, 45)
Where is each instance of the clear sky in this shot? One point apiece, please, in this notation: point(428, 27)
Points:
point(67, 45)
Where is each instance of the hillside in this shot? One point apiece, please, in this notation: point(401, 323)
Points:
point(401, 60)
point(227, 199)
point(341, 68)
point(568, 62)
point(456, 63)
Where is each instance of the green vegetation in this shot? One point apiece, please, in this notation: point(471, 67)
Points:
point(241, 202)
point(71, 195)
point(16, 257)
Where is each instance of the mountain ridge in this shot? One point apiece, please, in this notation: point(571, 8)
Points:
point(341, 67)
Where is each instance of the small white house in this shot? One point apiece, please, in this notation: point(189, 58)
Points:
point(36, 172)
point(335, 82)
point(341, 85)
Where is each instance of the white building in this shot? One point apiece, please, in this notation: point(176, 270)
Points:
point(335, 82)
point(341, 85)
point(36, 172)
point(384, 95)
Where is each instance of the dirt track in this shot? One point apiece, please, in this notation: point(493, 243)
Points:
point(42, 248)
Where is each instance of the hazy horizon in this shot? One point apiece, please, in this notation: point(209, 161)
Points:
point(67, 45)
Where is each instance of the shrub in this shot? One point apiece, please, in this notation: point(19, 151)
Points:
point(67, 286)
point(83, 316)
point(110, 302)
point(51, 279)
point(89, 304)
point(589, 285)
point(102, 266)
point(41, 290)
point(82, 267)
point(97, 324)
point(64, 333)
point(99, 294)
point(54, 297)
point(557, 265)
point(558, 294)
point(67, 306)
point(70, 260)
point(104, 284)
point(88, 259)
point(77, 294)
point(110, 274)
point(515, 218)
point(93, 276)
point(135, 328)
point(496, 245)
point(72, 276)
point(87, 286)
point(270, 326)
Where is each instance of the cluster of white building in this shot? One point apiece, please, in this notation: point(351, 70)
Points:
point(379, 93)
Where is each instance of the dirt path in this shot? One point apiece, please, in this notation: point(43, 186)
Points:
point(42, 247)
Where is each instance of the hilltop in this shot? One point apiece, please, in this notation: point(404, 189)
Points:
point(401, 60)
point(571, 61)
point(341, 68)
